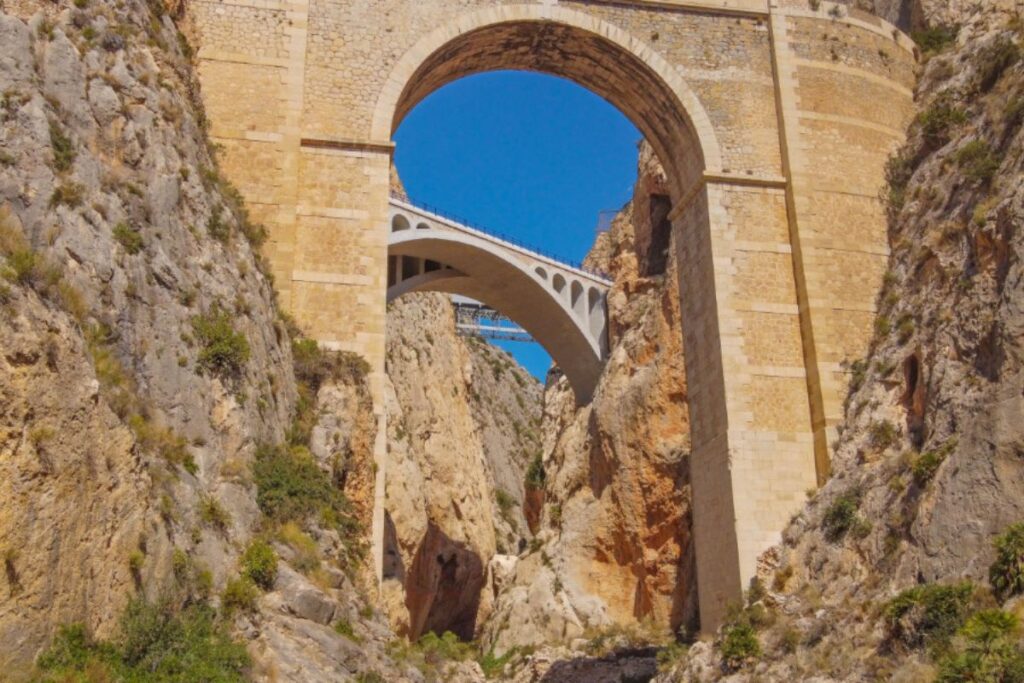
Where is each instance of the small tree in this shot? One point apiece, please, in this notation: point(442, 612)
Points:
point(1007, 572)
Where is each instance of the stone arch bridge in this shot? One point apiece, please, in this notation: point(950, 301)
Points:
point(561, 306)
point(773, 120)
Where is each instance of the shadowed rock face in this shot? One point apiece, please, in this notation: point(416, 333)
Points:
point(443, 586)
point(463, 422)
point(612, 520)
point(625, 666)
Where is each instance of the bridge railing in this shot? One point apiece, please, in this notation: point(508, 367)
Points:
point(504, 237)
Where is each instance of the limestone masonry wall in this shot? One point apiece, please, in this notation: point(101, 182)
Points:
point(773, 122)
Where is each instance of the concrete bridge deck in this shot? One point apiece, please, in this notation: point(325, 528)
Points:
point(562, 306)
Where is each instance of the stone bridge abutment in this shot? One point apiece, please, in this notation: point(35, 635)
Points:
point(772, 120)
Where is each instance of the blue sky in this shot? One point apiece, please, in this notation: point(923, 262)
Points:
point(531, 156)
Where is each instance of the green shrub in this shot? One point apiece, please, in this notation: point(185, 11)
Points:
point(344, 628)
point(882, 434)
point(671, 655)
point(978, 161)
point(535, 474)
point(936, 38)
point(938, 120)
point(135, 561)
point(162, 442)
point(986, 649)
point(213, 514)
point(240, 594)
point(505, 500)
point(63, 148)
point(181, 564)
point(905, 327)
point(994, 59)
point(841, 516)
point(506, 503)
point(225, 351)
point(555, 514)
point(1007, 571)
point(739, 645)
point(22, 266)
point(128, 238)
point(926, 466)
point(492, 665)
point(306, 557)
point(308, 361)
point(72, 648)
point(67, 194)
point(217, 228)
point(291, 487)
point(314, 366)
point(259, 563)
point(306, 416)
point(928, 614)
point(157, 644)
point(898, 171)
point(444, 648)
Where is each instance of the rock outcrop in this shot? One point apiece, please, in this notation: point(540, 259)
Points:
point(463, 423)
point(143, 362)
point(613, 541)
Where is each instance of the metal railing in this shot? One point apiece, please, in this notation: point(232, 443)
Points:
point(504, 237)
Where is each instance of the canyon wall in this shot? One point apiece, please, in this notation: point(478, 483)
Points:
point(463, 424)
point(611, 507)
point(152, 411)
point(892, 566)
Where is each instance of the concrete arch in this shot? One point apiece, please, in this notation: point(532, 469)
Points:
point(399, 222)
point(611, 62)
point(481, 269)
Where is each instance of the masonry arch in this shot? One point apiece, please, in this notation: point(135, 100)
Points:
point(753, 108)
point(629, 74)
point(574, 45)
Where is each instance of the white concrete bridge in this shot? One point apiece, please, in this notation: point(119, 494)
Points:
point(563, 307)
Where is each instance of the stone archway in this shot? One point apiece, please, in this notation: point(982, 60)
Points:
point(631, 76)
point(764, 115)
point(574, 45)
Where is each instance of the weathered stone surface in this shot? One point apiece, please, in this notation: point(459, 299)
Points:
point(615, 517)
point(100, 365)
point(463, 423)
point(776, 191)
point(929, 449)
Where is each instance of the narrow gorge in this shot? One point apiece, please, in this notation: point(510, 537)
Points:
point(221, 460)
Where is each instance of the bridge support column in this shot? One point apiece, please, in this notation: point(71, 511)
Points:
point(752, 453)
point(339, 275)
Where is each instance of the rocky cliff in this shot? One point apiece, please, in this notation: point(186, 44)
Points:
point(609, 493)
point(905, 565)
point(463, 423)
point(172, 455)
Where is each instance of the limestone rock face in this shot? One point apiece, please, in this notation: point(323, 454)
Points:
point(928, 470)
point(109, 411)
point(613, 543)
point(463, 422)
point(126, 434)
point(76, 495)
